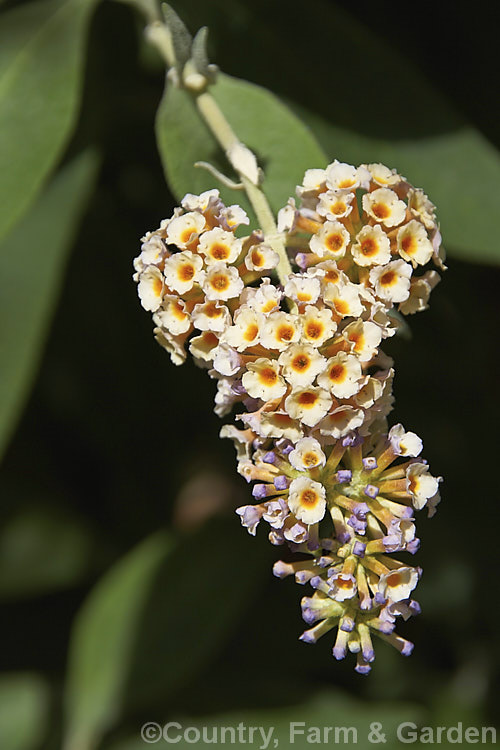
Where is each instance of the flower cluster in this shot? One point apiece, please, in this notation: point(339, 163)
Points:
point(302, 363)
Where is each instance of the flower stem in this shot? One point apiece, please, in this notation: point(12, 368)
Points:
point(159, 35)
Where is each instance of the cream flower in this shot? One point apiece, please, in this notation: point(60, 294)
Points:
point(287, 217)
point(261, 257)
point(226, 360)
point(300, 364)
point(222, 282)
point(398, 584)
point(341, 421)
point(420, 484)
point(182, 230)
point(341, 176)
point(174, 345)
point(413, 243)
point(150, 288)
point(218, 245)
point(343, 586)
point(200, 202)
point(307, 454)
point(331, 240)
point(183, 270)
point(384, 206)
point(307, 500)
point(173, 315)
point(277, 424)
point(280, 330)
point(246, 328)
point(405, 443)
point(382, 175)
point(317, 325)
point(302, 288)
point(392, 282)
point(211, 316)
point(364, 337)
point(262, 380)
point(153, 249)
point(309, 405)
point(372, 247)
point(203, 347)
point(422, 208)
point(345, 299)
point(335, 204)
point(312, 184)
point(233, 216)
point(342, 376)
point(265, 299)
point(420, 291)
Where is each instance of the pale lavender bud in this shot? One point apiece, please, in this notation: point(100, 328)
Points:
point(369, 463)
point(413, 546)
point(371, 491)
point(281, 482)
point(358, 548)
point(269, 457)
point(260, 491)
point(358, 525)
point(282, 569)
point(343, 476)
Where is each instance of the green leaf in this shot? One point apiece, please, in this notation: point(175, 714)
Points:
point(302, 726)
point(32, 261)
point(460, 171)
point(24, 710)
point(155, 619)
point(102, 643)
point(284, 146)
point(42, 48)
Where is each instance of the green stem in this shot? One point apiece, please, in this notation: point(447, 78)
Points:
point(215, 119)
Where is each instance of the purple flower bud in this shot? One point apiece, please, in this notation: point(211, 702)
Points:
point(407, 648)
point(368, 654)
point(360, 510)
point(307, 637)
point(310, 616)
point(301, 260)
point(369, 463)
point(324, 561)
point(413, 546)
point(276, 537)
point(347, 624)
point(344, 537)
point(282, 569)
point(358, 525)
point(358, 548)
point(303, 576)
point(339, 652)
point(362, 668)
point(269, 457)
point(259, 491)
point(371, 491)
point(282, 482)
point(343, 476)
point(415, 607)
point(386, 627)
point(316, 582)
point(238, 388)
point(378, 598)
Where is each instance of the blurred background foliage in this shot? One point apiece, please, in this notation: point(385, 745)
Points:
point(129, 591)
